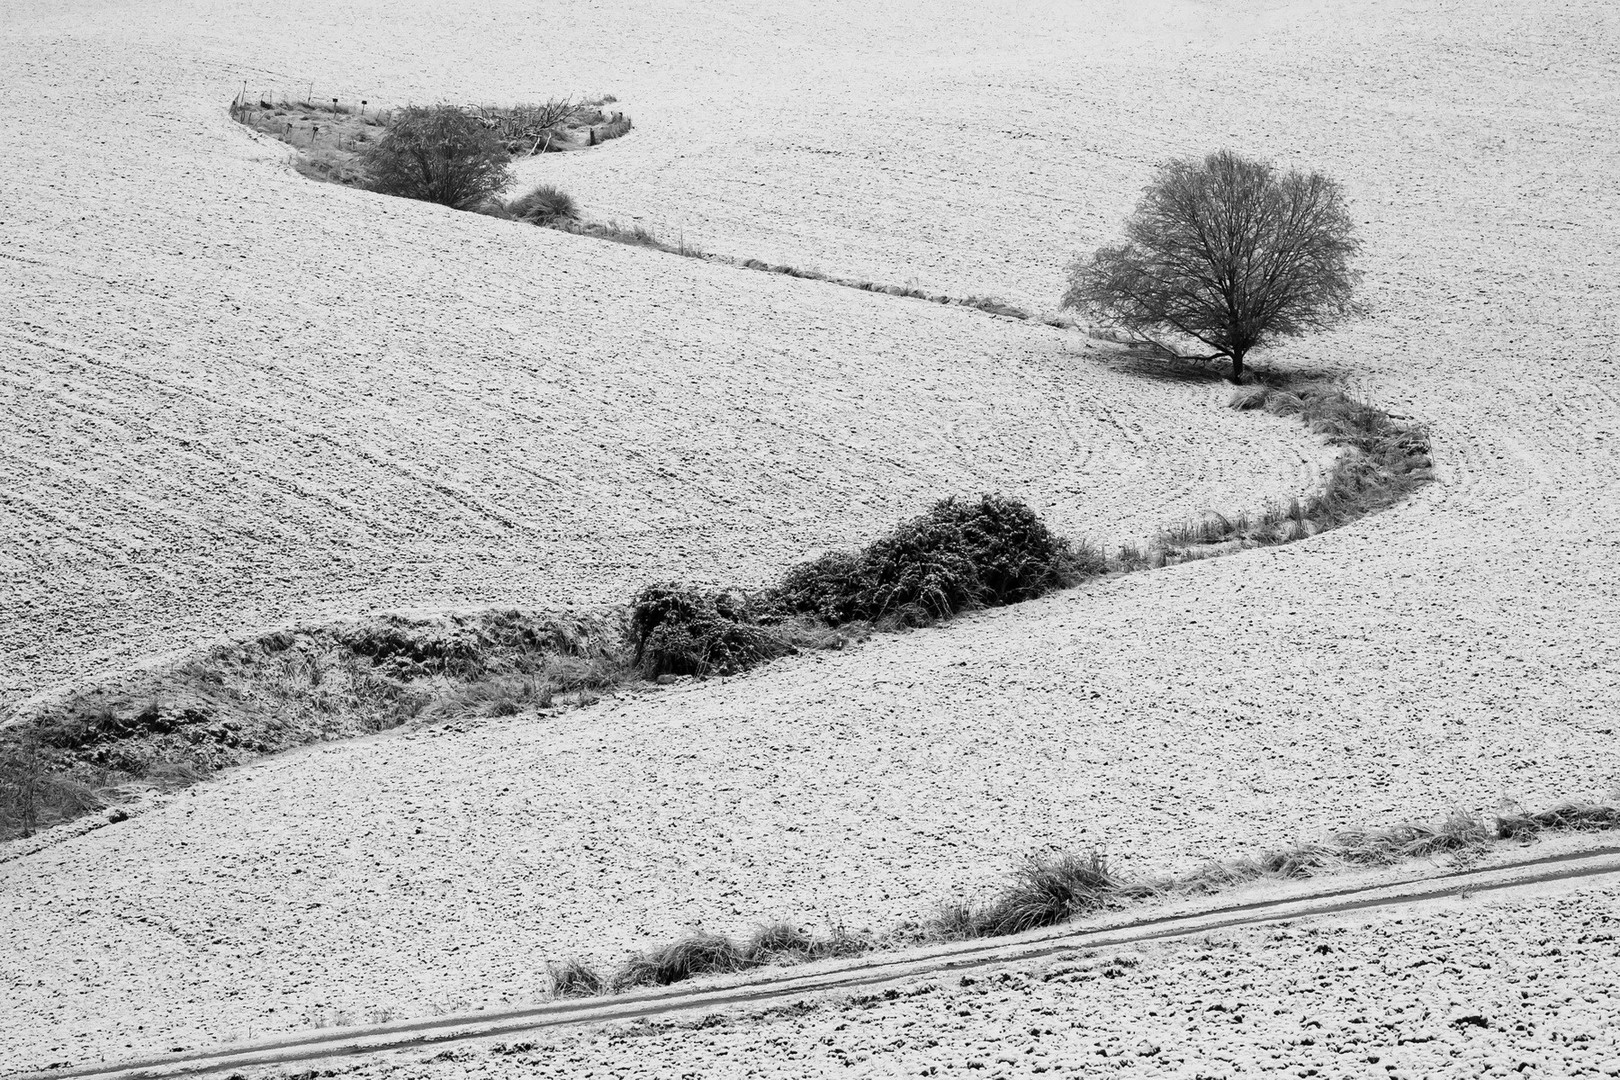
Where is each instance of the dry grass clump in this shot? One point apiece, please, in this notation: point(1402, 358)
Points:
point(1519, 824)
point(700, 954)
point(994, 305)
point(1380, 847)
point(714, 954)
point(1045, 891)
point(572, 978)
point(544, 205)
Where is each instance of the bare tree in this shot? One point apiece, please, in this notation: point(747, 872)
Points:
point(439, 154)
point(1227, 252)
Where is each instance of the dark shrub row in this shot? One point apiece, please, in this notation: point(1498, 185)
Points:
point(959, 556)
point(682, 631)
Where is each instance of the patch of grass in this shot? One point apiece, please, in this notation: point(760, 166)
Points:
point(995, 306)
point(544, 205)
point(714, 954)
point(604, 128)
point(1045, 891)
point(1381, 847)
point(700, 954)
point(784, 943)
point(1520, 824)
point(573, 978)
point(502, 696)
point(636, 235)
point(555, 125)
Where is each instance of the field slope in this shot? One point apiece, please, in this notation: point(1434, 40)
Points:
point(311, 400)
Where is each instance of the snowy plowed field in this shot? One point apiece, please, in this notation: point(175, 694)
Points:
point(234, 398)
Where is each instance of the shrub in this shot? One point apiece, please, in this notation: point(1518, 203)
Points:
point(438, 154)
point(958, 556)
point(544, 205)
point(678, 630)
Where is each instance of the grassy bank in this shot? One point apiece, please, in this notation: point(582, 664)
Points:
point(1051, 889)
point(99, 745)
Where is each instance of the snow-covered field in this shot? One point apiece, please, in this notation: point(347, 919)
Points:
point(235, 398)
point(1450, 990)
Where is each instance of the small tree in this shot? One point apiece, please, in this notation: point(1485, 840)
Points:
point(439, 154)
point(1227, 252)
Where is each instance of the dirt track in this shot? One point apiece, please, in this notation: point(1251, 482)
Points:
point(1392, 893)
point(1453, 651)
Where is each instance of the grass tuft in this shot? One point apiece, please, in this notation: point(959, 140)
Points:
point(1381, 847)
point(1045, 891)
point(574, 978)
point(544, 205)
point(700, 954)
point(1564, 817)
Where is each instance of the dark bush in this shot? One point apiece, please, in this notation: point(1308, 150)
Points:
point(438, 154)
point(961, 555)
point(828, 588)
point(544, 205)
point(683, 631)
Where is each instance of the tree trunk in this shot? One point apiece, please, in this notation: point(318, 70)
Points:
point(1237, 366)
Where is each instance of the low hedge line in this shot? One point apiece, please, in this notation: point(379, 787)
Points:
point(962, 555)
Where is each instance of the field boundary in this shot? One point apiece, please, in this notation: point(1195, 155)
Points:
point(845, 976)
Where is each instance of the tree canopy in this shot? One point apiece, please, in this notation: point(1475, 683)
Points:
point(1227, 252)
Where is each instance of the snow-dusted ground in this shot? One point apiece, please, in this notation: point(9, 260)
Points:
point(527, 437)
point(235, 398)
point(1465, 989)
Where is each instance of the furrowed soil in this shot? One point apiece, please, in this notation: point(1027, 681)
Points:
point(236, 398)
point(1458, 989)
